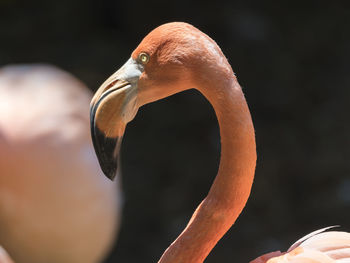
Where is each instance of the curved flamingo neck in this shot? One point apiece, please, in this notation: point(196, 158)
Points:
point(231, 187)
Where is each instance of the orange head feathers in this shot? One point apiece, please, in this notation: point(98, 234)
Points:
point(172, 58)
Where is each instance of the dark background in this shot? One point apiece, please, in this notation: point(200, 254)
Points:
point(292, 59)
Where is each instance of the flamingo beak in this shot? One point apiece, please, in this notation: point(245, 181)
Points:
point(112, 107)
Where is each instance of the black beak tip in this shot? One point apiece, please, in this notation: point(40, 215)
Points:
point(107, 155)
point(110, 169)
point(107, 151)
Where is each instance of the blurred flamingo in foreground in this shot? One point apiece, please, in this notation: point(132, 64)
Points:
point(176, 57)
point(53, 205)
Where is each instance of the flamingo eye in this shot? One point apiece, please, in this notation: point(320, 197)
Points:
point(144, 58)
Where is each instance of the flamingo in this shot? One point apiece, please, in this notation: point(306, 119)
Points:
point(172, 58)
point(52, 204)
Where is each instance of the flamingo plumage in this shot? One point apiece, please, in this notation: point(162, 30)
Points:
point(53, 205)
point(316, 247)
point(172, 58)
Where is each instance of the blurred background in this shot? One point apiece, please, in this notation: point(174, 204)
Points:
point(292, 59)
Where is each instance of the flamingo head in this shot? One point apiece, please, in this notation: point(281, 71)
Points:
point(167, 61)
